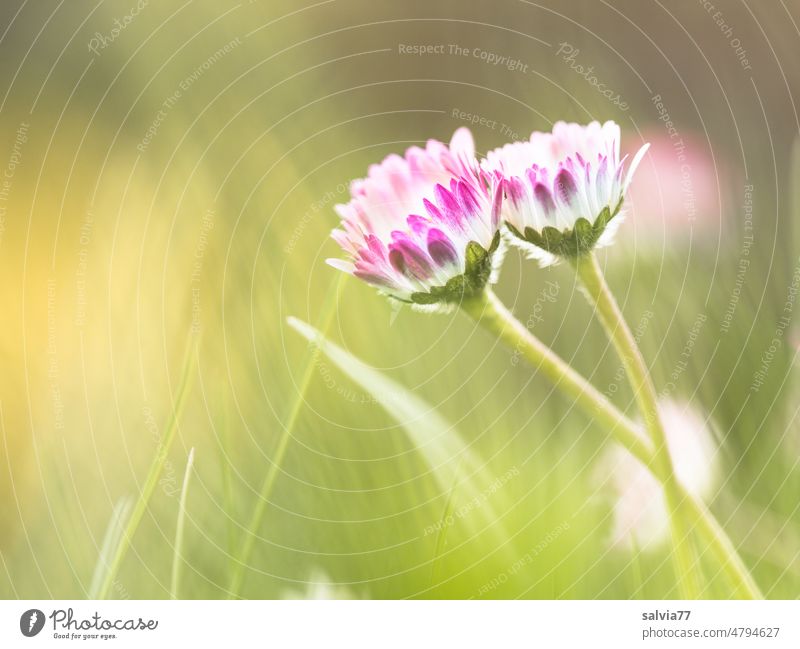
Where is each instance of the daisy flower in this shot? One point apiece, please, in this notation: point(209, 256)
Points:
point(563, 190)
point(424, 228)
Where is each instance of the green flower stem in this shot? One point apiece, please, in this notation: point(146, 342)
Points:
point(686, 563)
point(491, 314)
point(619, 333)
point(721, 547)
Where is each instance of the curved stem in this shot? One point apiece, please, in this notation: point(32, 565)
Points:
point(686, 563)
point(645, 394)
point(721, 546)
point(491, 314)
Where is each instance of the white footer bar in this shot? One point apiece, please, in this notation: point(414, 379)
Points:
point(389, 624)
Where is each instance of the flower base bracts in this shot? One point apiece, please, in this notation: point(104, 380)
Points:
point(579, 240)
point(481, 267)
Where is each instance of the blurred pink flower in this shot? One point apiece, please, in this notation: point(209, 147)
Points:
point(640, 512)
point(677, 191)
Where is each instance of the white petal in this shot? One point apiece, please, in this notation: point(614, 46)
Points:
point(341, 264)
point(462, 145)
point(636, 160)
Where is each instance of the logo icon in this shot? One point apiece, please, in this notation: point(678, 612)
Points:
point(31, 622)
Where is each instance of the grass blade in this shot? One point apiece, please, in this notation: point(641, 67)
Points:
point(177, 556)
point(451, 462)
point(225, 458)
point(110, 540)
point(441, 536)
point(249, 538)
point(151, 481)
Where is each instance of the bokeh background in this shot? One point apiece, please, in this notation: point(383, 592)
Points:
point(169, 171)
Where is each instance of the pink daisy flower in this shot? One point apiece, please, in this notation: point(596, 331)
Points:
point(423, 228)
point(563, 190)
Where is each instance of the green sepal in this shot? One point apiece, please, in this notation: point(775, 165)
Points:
point(603, 219)
point(477, 271)
point(569, 243)
point(552, 238)
point(516, 232)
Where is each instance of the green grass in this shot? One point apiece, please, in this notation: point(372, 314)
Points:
point(177, 557)
point(129, 527)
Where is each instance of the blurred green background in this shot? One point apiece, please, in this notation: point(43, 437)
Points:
point(171, 167)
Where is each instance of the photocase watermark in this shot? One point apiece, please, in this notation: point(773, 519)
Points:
point(687, 189)
point(206, 225)
point(744, 260)
point(473, 504)
point(488, 57)
point(569, 55)
point(525, 560)
point(120, 590)
point(547, 295)
point(85, 238)
point(475, 119)
point(768, 355)
point(686, 354)
point(52, 358)
point(100, 41)
point(727, 31)
point(566, 51)
point(381, 398)
point(638, 333)
point(14, 160)
point(187, 82)
point(31, 622)
point(67, 626)
point(315, 208)
point(169, 479)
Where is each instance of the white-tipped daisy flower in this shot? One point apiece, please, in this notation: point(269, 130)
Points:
point(564, 190)
point(424, 228)
point(640, 515)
